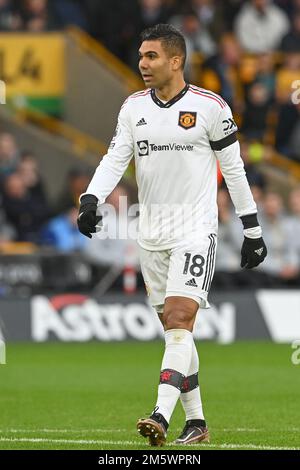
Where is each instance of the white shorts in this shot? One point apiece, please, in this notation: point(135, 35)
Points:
point(186, 271)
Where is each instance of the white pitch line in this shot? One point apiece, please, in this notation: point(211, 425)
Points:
point(45, 430)
point(71, 441)
point(249, 446)
point(142, 444)
point(240, 430)
point(100, 430)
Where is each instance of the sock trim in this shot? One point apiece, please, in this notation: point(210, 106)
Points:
point(196, 422)
point(171, 377)
point(190, 383)
point(159, 418)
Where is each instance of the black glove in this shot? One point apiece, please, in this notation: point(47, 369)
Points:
point(87, 218)
point(253, 252)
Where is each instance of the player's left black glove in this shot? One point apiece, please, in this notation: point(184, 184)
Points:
point(253, 252)
point(87, 219)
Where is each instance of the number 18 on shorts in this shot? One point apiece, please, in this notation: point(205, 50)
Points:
point(185, 270)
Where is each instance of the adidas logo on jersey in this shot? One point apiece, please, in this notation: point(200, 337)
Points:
point(259, 251)
point(141, 122)
point(192, 283)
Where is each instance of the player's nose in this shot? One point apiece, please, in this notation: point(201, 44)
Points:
point(143, 64)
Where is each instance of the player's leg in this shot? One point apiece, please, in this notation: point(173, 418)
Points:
point(175, 365)
point(183, 299)
point(178, 318)
point(195, 429)
point(154, 266)
point(190, 273)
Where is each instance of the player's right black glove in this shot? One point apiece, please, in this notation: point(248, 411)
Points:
point(87, 218)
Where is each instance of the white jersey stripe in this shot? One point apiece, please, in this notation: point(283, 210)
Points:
point(212, 264)
point(206, 92)
point(209, 256)
point(207, 96)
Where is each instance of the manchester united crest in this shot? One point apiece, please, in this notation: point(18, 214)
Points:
point(187, 119)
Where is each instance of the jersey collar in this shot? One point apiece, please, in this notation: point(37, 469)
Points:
point(172, 101)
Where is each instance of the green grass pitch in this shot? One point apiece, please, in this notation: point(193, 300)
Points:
point(89, 396)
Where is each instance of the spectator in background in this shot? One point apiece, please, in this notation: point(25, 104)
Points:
point(211, 16)
point(220, 73)
point(230, 12)
point(118, 23)
point(143, 14)
point(295, 7)
point(24, 211)
point(37, 16)
point(77, 181)
point(286, 76)
point(288, 97)
point(9, 154)
point(288, 131)
point(257, 107)
point(29, 172)
point(265, 73)
point(294, 221)
point(62, 233)
point(69, 12)
point(291, 41)
point(110, 246)
point(197, 37)
point(151, 12)
point(228, 252)
point(10, 20)
point(282, 259)
point(7, 232)
point(260, 26)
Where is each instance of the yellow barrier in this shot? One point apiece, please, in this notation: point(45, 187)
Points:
point(279, 161)
point(32, 64)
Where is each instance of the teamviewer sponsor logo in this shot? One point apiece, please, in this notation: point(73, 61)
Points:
point(143, 146)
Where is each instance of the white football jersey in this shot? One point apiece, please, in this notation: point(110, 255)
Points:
point(176, 145)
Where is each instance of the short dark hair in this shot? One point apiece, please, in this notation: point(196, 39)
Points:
point(171, 38)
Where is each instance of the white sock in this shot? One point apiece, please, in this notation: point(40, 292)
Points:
point(177, 357)
point(191, 401)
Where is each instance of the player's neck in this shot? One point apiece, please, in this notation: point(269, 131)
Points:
point(167, 92)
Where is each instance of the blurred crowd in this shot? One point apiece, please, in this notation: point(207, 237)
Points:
point(280, 221)
point(26, 213)
point(247, 51)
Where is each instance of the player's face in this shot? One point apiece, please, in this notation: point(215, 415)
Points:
point(156, 67)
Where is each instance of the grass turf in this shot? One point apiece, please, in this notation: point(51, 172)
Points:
point(89, 396)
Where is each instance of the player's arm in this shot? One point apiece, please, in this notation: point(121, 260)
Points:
point(223, 141)
point(107, 175)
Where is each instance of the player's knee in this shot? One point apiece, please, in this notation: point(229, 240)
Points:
point(178, 318)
